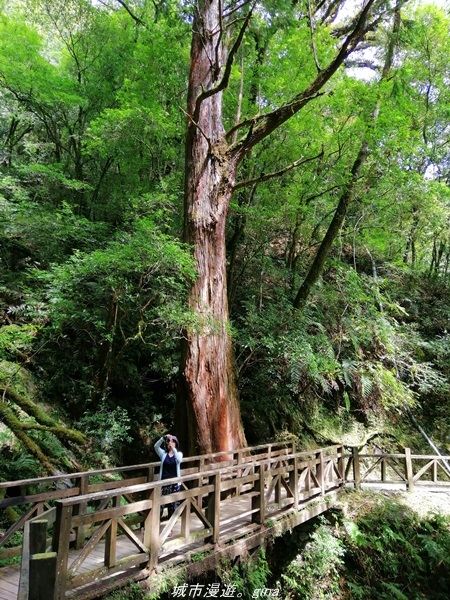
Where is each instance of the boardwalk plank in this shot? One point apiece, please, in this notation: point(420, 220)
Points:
point(9, 586)
point(9, 582)
point(7, 595)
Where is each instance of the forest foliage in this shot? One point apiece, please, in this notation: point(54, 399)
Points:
point(94, 277)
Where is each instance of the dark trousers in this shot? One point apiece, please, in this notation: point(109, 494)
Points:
point(170, 489)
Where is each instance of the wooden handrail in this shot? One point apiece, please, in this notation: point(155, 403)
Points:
point(118, 470)
point(80, 483)
point(273, 483)
point(267, 485)
point(225, 473)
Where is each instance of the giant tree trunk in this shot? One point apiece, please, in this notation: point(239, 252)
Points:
point(208, 414)
point(209, 397)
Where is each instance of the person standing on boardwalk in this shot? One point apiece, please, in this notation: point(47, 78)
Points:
point(167, 450)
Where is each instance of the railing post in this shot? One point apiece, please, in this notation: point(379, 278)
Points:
point(293, 481)
point(308, 477)
point(259, 500)
point(341, 463)
point(278, 483)
point(111, 538)
point(38, 536)
point(60, 545)
point(320, 472)
point(239, 471)
point(213, 508)
point(80, 509)
point(201, 464)
point(409, 470)
point(356, 468)
point(42, 576)
point(152, 526)
point(42, 564)
point(185, 530)
point(383, 470)
point(151, 473)
point(201, 468)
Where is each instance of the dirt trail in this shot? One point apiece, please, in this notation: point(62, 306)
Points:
point(426, 503)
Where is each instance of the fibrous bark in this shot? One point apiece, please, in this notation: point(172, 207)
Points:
point(208, 416)
point(209, 394)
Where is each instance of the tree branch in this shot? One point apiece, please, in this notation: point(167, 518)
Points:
point(313, 42)
point(234, 9)
point(223, 83)
point(220, 33)
point(362, 64)
point(330, 12)
point(309, 199)
point(267, 176)
point(271, 121)
point(240, 98)
point(195, 124)
point(246, 122)
point(132, 15)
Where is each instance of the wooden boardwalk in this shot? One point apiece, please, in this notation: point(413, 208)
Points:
point(107, 533)
point(236, 518)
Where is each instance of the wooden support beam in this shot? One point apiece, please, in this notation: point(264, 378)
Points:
point(42, 576)
point(409, 470)
point(356, 468)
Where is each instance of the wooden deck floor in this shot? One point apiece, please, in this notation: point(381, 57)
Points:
point(9, 583)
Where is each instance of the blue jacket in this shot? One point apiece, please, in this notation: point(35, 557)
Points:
point(162, 455)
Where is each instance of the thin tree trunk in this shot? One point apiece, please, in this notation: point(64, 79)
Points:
point(334, 228)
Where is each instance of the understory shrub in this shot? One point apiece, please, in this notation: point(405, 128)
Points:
point(385, 552)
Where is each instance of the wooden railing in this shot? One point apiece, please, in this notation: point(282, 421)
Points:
point(219, 507)
point(408, 470)
point(227, 500)
point(29, 498)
